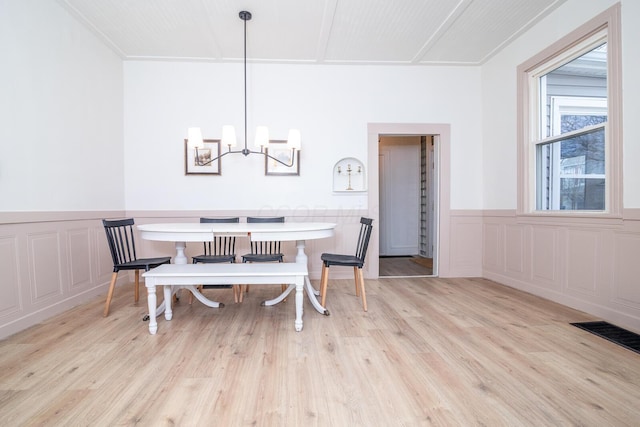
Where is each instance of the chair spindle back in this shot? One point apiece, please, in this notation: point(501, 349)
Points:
point(121, 240)
point(363, 239)
point(223, 245)
point(265, 248)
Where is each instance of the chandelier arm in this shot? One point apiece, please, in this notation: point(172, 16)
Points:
point(293, 153)
point(246, 152)
point(208, 162)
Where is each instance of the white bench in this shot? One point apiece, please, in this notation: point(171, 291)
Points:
point(189, 276)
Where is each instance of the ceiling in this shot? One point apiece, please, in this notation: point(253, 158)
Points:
point(463, 32)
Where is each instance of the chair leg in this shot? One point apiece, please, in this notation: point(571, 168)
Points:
point(236, 293)
point(324, 279)
point(364, 295)
point(112, 286)
point(355, 279)
point(136, 291)
point(320, 290)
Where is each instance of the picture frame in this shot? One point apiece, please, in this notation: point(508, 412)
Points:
point(279, 150)
point(211, 150)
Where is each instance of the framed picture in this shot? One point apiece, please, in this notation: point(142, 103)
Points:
point(280, 151)
point(204, 166)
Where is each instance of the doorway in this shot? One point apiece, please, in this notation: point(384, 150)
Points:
point(407, 173)
point(442, 157)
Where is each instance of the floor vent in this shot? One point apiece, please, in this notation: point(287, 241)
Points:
point(613, 333)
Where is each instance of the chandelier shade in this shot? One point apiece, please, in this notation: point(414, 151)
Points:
point(194, 136)
point(229, 136)
point(262, 136)
point(293, 140)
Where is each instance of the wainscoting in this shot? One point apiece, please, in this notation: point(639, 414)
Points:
point(588, 264)
point(50, 264)
point(53, 261)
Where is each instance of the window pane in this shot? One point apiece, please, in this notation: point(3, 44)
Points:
point(586, 150)
point(584, 78)
point(574, 122)
point(571, 173)
point(582, 194)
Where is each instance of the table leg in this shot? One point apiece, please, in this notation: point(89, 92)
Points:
point(301, 257)
point(151, 303)
point(312, 292)
point(180, 257)
point(299, 305)
point(280, 297)
point(196, 293)
point(159, 309)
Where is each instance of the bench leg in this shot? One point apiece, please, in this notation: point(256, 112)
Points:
point(168, 294)
point(299, 301)
point(151, 304)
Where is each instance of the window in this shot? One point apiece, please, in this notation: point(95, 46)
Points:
point(569, 127)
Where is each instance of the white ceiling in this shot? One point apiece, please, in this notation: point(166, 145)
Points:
point(311, 31)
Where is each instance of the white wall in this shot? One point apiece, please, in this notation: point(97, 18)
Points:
point(61, 113)
point(331, 104)
point(631, 101)
point(499, 98)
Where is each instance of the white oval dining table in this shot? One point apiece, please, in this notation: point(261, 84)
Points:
point(300, 232)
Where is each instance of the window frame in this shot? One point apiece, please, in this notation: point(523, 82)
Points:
point(528, 120)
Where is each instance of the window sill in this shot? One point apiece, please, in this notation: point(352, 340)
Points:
point(573, 218)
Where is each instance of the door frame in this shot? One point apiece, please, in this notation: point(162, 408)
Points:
point(443, 135)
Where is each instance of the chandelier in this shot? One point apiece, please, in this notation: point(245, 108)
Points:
point(229, 133)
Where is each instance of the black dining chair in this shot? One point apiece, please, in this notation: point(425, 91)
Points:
point(263, 251)
point(356, 261)
point(220, 249)
point(122, 245)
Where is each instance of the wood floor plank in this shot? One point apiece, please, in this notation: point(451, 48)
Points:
point(429, 351)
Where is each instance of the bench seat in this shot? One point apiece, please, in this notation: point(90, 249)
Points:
point(189, 276)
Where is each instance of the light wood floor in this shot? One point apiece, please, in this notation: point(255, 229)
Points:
point(403, 266)
point(429, 351)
